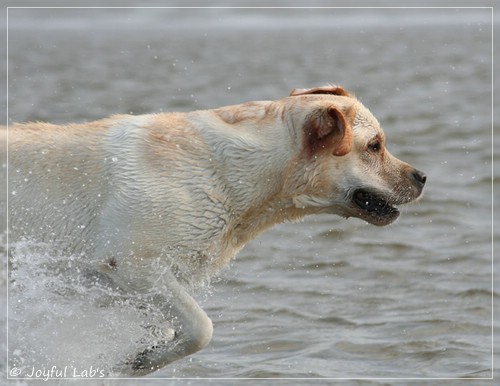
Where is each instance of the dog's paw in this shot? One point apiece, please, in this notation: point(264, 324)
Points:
point(150, 358)
point(144, 362)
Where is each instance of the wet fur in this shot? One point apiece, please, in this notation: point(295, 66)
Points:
point(162, 202)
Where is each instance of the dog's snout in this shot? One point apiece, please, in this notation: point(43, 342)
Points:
point(420, 177)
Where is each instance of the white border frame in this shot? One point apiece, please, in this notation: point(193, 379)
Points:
point(10, 371)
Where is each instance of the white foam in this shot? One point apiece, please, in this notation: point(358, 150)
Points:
point(64, 315)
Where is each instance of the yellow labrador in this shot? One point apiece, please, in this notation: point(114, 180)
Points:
point(163, 201)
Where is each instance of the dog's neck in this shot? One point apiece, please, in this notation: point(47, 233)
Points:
point(253, 171)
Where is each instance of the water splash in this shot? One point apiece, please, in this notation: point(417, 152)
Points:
point(63, 314)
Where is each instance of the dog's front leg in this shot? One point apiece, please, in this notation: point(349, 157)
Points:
point(187, 327)
point(191, 330)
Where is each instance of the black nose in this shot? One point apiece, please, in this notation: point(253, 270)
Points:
point(419, 177)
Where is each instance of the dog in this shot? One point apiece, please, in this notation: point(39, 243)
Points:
point(160, 202)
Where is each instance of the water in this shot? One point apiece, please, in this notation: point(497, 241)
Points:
point(326, 297)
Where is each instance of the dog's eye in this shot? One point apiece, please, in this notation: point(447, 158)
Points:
point(375, 146)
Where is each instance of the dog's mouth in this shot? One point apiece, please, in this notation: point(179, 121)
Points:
point(373, 207)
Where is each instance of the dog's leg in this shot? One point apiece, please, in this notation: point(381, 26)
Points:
point(187, 328)
point(191, 330)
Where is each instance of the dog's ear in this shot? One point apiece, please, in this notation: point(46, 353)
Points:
point(331, 90)
point(328, 131)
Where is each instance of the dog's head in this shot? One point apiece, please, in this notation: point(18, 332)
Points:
point(345, 167)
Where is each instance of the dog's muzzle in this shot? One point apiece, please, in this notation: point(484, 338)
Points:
point(380, 209)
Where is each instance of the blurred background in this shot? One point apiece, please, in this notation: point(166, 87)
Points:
point(327, 297)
